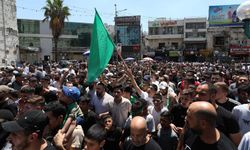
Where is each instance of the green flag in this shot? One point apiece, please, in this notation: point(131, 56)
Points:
point(101, 49)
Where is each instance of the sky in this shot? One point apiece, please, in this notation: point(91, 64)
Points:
point(83, 10)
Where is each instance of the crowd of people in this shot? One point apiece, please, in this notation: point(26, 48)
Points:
point(135, 105)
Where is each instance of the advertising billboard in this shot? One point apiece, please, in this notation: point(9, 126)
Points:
point(128, 33)
point(223, 15)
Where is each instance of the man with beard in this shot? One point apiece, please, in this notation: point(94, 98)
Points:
point(225, 121)
point(56, 113)
point(100, 101)
point(179, 110)
point(26, 132)
point(120, 107)
point(201, 119)
point(139, 139)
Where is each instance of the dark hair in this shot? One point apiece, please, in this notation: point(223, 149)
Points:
point(208, 116)
point(128, 89)
point(222, 85)
point(154, 87)
point(211, 87)
point(244, 88)
point(56, 108)
point(97, 133)
point(167, 114)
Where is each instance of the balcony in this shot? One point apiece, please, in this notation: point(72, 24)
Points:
point(168, 36)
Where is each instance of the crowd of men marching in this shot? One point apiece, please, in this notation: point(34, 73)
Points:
point(137, 105)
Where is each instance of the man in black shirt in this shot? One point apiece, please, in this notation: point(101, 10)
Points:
point(225, 121)
point(179, 110)
point(139, 139)
point(221, 97)
point(201, 119)
point(89, 117)
point(26, 132)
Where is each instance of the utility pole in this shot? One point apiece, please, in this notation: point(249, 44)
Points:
point(4, 33)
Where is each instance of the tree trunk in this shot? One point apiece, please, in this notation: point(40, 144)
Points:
point(56, 59)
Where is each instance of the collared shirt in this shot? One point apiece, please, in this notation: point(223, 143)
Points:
point(101, 105)
point(120, 111)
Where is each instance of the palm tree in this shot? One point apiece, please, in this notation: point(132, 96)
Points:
point(56, 14)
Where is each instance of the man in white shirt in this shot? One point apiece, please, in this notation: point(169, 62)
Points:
point(101, 99)
point(120, 107)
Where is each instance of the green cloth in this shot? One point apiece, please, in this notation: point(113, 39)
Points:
point(101, 49)
point(132, 99)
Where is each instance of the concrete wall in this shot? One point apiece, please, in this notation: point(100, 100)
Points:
point(46, 43)
point(8, 33)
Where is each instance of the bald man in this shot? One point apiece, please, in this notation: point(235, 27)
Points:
point(139, 138)
point(201, 120)
point(225, 121)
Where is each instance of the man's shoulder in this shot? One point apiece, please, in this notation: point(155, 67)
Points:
point(49, 146)
point(152, 144)
point(108, 96)
point(232, 101)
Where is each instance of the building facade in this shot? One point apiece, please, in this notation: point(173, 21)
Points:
point(178, 40)
point(225, 36)
point(128, 35)
point(195, 38)
point(36, 42)
point(9, 46)
point(165, 37)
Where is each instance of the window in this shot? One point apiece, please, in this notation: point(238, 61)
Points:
point(161, 45)
point(28, 26)
point(199, 25)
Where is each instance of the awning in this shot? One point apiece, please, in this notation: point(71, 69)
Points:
point(30, 48)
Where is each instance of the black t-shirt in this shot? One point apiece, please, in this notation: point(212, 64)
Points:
point(179, 113)
point(229, 104)
point(222, 144)
point(90, 118)
point(49, 146)
point(113, 139)
point(226, 122)
point(151, 145)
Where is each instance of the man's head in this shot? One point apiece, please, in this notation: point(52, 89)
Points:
point(205, 92)
point(19, 77)
point(138, 131)
point(216, 77)
point(157, 100)
point(244, 93)
point(201, 117)
point(117, 92)
point(107, 121)
point(152, 90)
point(127, 92)
point(56, 113)
point(222, 90)
point(84, 103)
point(34, 102)
point(100, 90)
point(163, 86)
point(242, 79)
point(69, 94)
point(95, 137)
point(138, 107)
point(27, 130)
point(26, 92)
point(45, 81)
point(186, 98)
point(166, 119)
point(4, 92)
